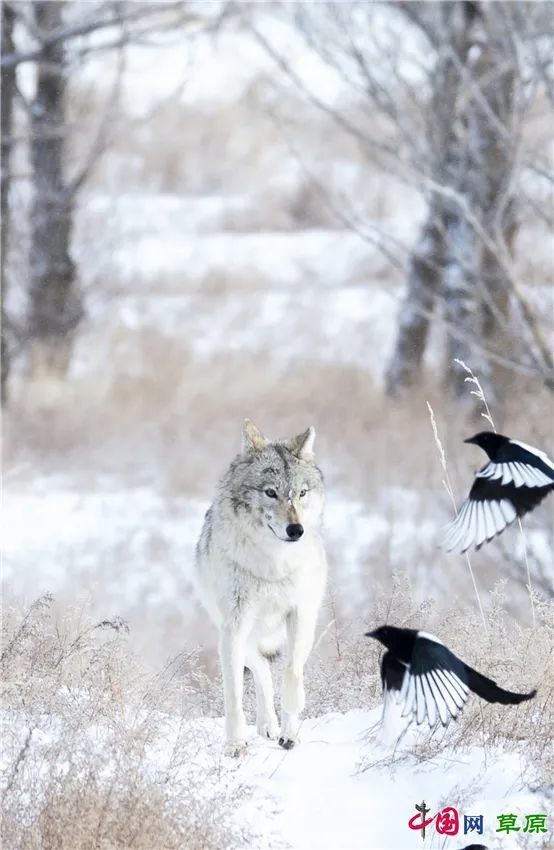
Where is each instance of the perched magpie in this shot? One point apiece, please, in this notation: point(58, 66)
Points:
point(514, 481)
point(429, 682)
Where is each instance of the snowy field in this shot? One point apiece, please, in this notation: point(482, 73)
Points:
point(213, 294)
point(341, 787)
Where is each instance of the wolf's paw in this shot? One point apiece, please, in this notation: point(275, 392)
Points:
point(268, 729)
point(235, 749)
point(289, 730)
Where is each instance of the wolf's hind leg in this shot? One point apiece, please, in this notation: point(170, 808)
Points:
point(232, 652)
point(266, 719)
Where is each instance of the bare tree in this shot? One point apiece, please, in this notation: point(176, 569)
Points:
point(55, 37)
point(476, 285)
point(454, 131)
point(55, 306)
point(427, 262)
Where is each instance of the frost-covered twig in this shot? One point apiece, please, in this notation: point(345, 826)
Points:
point(478, 392)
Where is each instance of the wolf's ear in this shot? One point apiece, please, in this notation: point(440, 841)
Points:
point(302, 446)
point(252, 438)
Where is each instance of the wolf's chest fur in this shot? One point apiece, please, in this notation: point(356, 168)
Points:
point(272, 574)
point(237, 571)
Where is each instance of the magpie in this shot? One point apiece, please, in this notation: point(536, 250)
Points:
point(428, 681)
point(514, 481)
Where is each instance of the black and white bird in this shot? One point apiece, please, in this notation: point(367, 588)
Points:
point(514, 481)
point(428, 681)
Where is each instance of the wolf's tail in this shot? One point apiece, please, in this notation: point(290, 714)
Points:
point(270, 646)
point(271, 654)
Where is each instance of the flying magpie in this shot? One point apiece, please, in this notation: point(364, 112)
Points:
point(428, 681)
point(513, 482)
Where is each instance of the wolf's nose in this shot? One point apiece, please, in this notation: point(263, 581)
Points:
point(295, 531)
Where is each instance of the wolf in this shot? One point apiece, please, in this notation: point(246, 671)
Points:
point(260, 572)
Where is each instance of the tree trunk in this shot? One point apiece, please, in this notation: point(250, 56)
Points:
point(8, 93)
point(55, 307)
point(476, 284)
point(425, 270)
point(464, 258)
point(500, 209)
point(415, 313)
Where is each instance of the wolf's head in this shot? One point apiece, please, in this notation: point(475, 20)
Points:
point(277, 484)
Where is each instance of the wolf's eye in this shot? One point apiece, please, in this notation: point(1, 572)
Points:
point(302, 493)
point(271, 493)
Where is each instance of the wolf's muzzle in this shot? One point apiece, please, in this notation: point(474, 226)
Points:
point(294, 531)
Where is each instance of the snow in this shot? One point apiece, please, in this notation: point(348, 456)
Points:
point(311, 285)
point(284, 258)
point(124, 546)
point(197, 69)
point(342, 787)
point(133, 545)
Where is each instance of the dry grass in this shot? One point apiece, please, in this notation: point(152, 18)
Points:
point(100, 753)
point(97, 751)
point(157, 389)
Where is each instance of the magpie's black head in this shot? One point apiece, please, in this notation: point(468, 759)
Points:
point(488, 441)
point(387, 635)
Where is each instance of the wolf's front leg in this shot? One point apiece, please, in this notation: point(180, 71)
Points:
point(266, 719)
point(300, 638)
point(232, 652)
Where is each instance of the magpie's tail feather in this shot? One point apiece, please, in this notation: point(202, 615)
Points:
point(489, 690)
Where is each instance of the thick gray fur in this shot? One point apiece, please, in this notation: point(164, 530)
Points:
point(260, 588)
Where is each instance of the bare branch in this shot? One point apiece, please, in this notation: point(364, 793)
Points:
point(137, 13)
point(100, 140)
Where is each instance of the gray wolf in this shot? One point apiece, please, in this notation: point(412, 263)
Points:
point(260, 572)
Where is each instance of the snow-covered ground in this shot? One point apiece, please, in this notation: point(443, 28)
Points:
point(123, 545)
point(174, 269)
point(343, 788)
point(332, 792)
point(129, 551)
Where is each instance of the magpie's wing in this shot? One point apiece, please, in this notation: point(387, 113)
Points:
point(521, 465)
point(392, 674)
point(498, 496)
point(531, 463)
point(435, 687)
